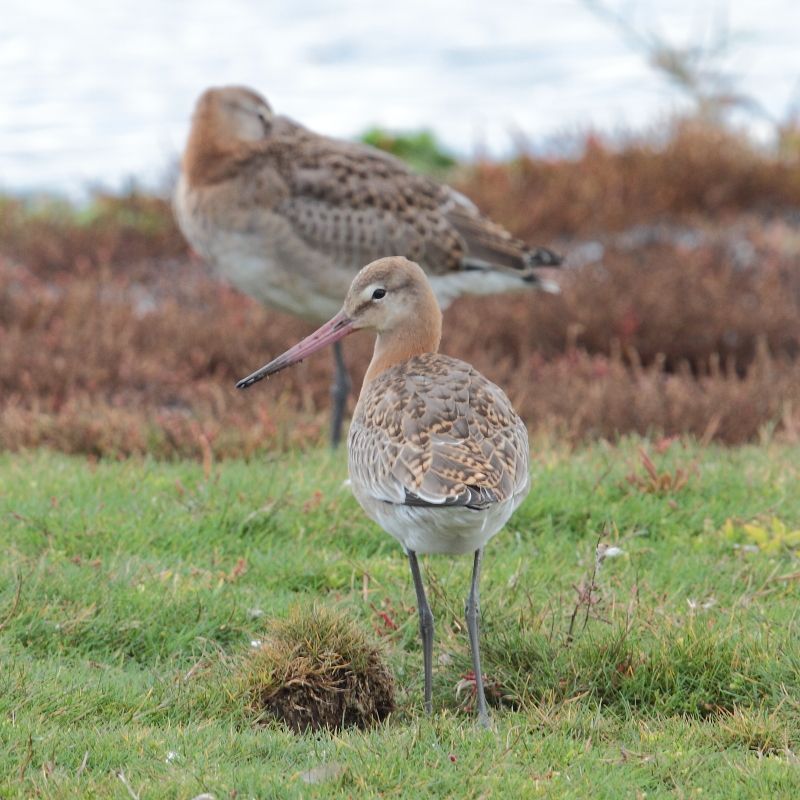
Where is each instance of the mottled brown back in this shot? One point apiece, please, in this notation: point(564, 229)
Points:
point(353, 200)
point(433, 430)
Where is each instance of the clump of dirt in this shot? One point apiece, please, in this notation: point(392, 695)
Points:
point(317, 670)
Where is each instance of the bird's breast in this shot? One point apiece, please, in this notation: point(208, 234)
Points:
point(259, 253)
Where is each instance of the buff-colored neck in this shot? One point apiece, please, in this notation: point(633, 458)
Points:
point(421, 334)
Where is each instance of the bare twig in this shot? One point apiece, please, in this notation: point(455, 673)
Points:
point(14, 604)
point(193, 669)
point(695, 69)
point(121, 775)
point(82, 767)
point(23, 767)
point(585, 593)
point(791, 576)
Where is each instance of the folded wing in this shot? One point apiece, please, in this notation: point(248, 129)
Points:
point(438, 433)
point(361, 203)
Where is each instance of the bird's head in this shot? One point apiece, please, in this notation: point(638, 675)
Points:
point(234, 113)
point(391, 296)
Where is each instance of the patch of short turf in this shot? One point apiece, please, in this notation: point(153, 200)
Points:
point(774, 733)
point(688, 669)
point(316, 669)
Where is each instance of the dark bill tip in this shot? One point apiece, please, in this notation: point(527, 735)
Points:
point(330, 332)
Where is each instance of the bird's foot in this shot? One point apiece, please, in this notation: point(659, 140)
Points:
point(485, 721)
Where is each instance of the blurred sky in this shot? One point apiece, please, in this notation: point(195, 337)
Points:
point(95, 91)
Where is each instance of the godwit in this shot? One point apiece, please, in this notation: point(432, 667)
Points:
point(288, 217)
point(437, 455)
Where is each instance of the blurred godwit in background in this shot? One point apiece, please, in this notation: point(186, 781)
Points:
point(288, 217)
point(437, 455)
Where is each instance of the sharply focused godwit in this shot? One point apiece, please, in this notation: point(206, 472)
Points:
point(289, 216)
point(437, 455)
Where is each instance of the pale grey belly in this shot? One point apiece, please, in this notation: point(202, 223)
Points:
point(291, 284)
point(438, 530)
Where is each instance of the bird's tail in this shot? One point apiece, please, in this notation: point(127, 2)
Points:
point(542, 257)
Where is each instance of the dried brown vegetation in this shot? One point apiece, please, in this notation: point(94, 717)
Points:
point(680, 312)
point(116, 230)
point(688, 170)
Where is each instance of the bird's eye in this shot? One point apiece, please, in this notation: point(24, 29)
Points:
point(379, 294)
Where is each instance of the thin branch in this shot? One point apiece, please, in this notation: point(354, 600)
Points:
point(27, 760)
point(121, 775)
point(82, 767)
point(14, 604)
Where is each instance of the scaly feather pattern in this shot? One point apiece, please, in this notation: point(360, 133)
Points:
point(362, 204)
point(433, 431)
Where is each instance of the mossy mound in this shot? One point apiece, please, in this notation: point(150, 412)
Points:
point(317, 670)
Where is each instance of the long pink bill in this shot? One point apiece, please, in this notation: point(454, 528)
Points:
point(330, 332)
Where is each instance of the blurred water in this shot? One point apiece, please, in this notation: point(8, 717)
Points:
point(96, 92)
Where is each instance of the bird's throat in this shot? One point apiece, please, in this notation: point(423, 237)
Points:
point(402, 343)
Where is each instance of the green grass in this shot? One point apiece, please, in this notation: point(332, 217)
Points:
point(419, 148)
point(130, 593)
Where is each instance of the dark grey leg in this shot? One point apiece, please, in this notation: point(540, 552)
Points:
point(425, 629)
point(471, 611)
point(340, 390)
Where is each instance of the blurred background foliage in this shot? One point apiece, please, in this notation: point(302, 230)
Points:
point(679, 311)
point(420, 149)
